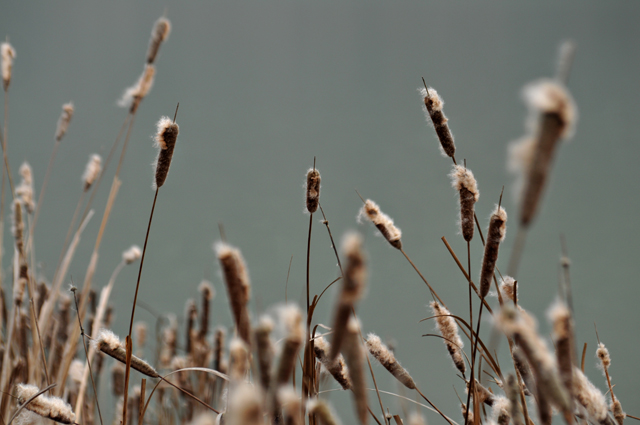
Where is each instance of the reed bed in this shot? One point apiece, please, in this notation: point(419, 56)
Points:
point(279, 367)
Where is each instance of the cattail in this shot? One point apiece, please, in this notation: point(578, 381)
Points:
point(292, 319)
point(61, 334)
point(484, 395)
point(560, 317)
point(464, 182)
point(292, 405)
point(495, 236)
point(236, 279)
point(383, 222)
point(53, 408)
point(448, 328)
point(24, 190)
point(207, 292)
point(160, 33)
point(313, 190)
point(415, 418)
point(141, 337)
point(433, 109)
point(337, 368)
point(133, 95)
point(589, 397)
point(264, 348)
point(353, 286)
point(191, 314)
point(354, 357)
point(8, 55)
point(513, 394)
point(245, 406)
point(552, 117)
point(42, 294)
point(508, 288)
point(467, 414)
point(605, 361)
point(92, 171)
point(618, 413)
point(500, 411)
point(132, 254)
point(603, 355)
point(386, 358)
point(218, 348)
point(18, 226)
point(64, 120)
point(322, 411)
point(523, 369)
point(165, 140)
point(239, 358)
point(117, 379)
point(110, 344)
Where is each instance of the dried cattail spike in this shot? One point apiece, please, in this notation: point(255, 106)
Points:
point(500, 411)
point(386, 358)
point(415, 418)
point(603, 355)
point(448, 328)
point(53, 408)
point(8, 55)
point(291, 317)
point(207, 292)
point(117, 379)
point(433, 109)
point(291, 403)
point(18, 225)
point(264, 347)
point(64, 120)
point(166, 140)
point(383, 222)
point(133, 95)
point(110, 344)
point(513, 394)
point(92, 171)
point(24, 190)
point(588, 396)
point(468, 413)
point(322, 412)
point(464, 182)
point(313, 190)
point(218, 348)
point(354, 357)
point(190, 316)
point(132, 254)
point(239, 357)
point(508, 288)
point(236, 279)
point(547, 96)
point(560, 318)
point(160, 33)
point(495, 235)
point(337, 368)
point(618, 413)
point(484, 395)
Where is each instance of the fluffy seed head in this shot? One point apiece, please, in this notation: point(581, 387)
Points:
point(559, 315)
point(92, 170)
point(495, 236)
point(432, 99)
point(160, 33)
point(463, 177)
point(432, 107)
point(166, 137)
point(386, 358)
point(110, 344)
point(53, 408)
point(500, 410)
point(207, 290)
point(313, 190)
point(355, 272)
point(354, 356)
point(508, 288)
point(322, 411)
point(618, 413)
point(383, 222)
point(64, 120)
point(236, 280)
point(463, 181)
point(603, 355)
point(550, 96)
point(8, 55)
point(337, 368)
point(449, 330)
point(587, 395)
point(416, 418)
point(239, 356)
point(25, 189)
point(134, 94)
point(132, 254)
point(245, 406)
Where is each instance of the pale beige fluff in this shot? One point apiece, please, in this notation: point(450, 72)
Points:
point(64, 120)
point(603, 355)
point(337, 368)
point(159, 33)
point(550, 96)
point(291, 403)
point(500, 410)
point(132, 254)
point(204, 418)
point(25, 189)
point(140, 89)
point(386, 358)
point(463, 177)
point(383, 222)
point(110, 344)
point(163, 124)
point(238, 357)
point(245, 406)
point(508, 288)
point(8, 55)
point(48, 407)
point(558, 315)
point(435, 98)
point(501, 214)
point(449, 330)
point(76, 370)
point(416, 418)
point(520, 154)
point(224, 251)
point(589, 396)
point(291, 317)
point(92, 170)
point(207, 290)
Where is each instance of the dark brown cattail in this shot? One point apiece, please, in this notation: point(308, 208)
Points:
point(64, 120)
point(292, 319)
point(386, 358)
point(92, 171)
point(8, 55)
point(508, 288)
point(495, 236)
point(110, 344)
point(160, 33)
point(313, 190)
point(383, 222)
point(291, 403)
point(463, 181)
point(353, 286)
point(513, 394)
point(53, 408)
point(449, 330)
point(354, 357)
point(337, 368)
point(236, 279)
point(191, 315)
point(207, 292)
point(605, 361)
point(165, 140)
point(433, 109)
point(560, 318)
point(264, 348)
point(218, 348)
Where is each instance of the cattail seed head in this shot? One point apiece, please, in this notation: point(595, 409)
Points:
point(512, 391)
point(618, 413)
point(337, 368)
point(495, 236)
point(354, 357)
point(132, 254)
point(110, 344)
point(464, 182)
point(292, 405)
point(313, 190)
point(166, 137)
point(560, 318)
point(8, 55)
point(550, 96)
point(53, 408)
point(448, 328)
point(207, 293)
point(236, 280)
point(322, 412)
point(24, 190)
point(603, 355)
point(589, 397)
point(264, 347)
point(500, 411)
point(18, 225)
point(291, 317)
point(383, 222)
point(160, 33)
point(133, 95)
point(386, 358)
point(245, 406)
point(508, 288)
point(239, 358)
point(433, 110)
point(64, 120)
point(92, 171)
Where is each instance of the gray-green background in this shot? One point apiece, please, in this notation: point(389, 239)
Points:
point(266, 86)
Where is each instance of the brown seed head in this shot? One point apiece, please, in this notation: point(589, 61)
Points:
point(166, 137)
point(589, 397)
point(448, 328)
point(236, 279)
point(550, 96)
point(433, 110)
point(383, 222)
point(603, 355)
point(92, 171)
point(337, 368)
point(313, 190)
point(495, 235)
point(53, 408)
point(8, 55)
point(386, 358)
point(110, 344)
point(160, 33)
point(463, 181)
point(134, 94)
point(24, 190)
point(64, 120)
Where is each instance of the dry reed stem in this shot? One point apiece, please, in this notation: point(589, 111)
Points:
point(264, 349)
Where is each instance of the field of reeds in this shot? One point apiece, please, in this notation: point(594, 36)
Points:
point(285, 345)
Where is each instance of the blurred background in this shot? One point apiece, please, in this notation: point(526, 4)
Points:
point(264, 87)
